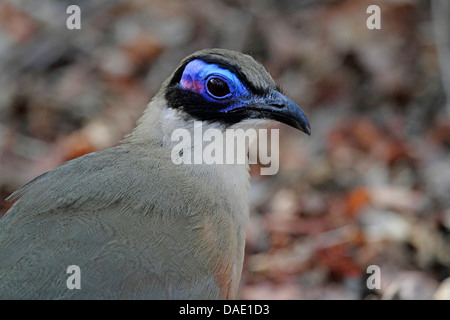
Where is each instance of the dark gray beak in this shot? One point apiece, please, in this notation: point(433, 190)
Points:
point(278, 107)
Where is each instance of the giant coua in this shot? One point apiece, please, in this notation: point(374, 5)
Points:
point(138, 225)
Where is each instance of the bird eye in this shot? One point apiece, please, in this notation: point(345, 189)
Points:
point(218, 88)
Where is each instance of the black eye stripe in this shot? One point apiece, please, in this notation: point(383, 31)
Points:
point(199, 107)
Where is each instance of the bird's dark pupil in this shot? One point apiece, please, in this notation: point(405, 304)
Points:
point(217, 87)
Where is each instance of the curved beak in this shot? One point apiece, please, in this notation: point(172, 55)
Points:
point(286, 111)
point(278, 107)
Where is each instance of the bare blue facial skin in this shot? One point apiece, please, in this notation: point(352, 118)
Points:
point(213, 89)
point(195, 78)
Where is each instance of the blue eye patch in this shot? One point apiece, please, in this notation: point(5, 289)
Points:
point(213, 82)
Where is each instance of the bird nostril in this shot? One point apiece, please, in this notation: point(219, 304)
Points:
point(278, 105)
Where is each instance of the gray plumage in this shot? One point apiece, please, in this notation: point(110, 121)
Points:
point(137, 225)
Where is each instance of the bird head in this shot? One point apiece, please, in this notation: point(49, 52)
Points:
point(228, 87)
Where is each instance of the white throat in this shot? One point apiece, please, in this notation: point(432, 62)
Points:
point(162, 126)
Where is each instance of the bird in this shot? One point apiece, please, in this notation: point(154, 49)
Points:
point(136, 224)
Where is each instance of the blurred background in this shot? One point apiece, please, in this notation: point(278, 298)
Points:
point(371, 186)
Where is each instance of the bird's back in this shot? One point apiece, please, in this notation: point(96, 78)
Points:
point(120, 221)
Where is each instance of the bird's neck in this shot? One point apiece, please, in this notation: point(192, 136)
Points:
point(222, 224)
point(205, 147)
